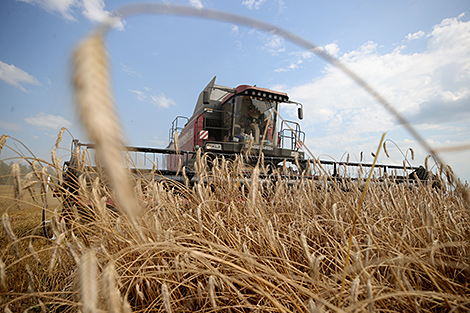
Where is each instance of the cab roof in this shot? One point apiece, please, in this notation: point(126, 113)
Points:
point(222, 94)
point(257, 92)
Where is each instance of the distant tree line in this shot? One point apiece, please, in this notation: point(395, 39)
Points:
point(5, 171)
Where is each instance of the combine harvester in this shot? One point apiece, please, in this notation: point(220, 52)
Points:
point(227, 122)
point(231, 121)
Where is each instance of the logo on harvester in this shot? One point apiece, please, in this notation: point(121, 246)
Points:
point(213, 146)
point(204, 134)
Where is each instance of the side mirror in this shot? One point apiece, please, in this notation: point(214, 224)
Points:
point(300, 113)
point(205, 97)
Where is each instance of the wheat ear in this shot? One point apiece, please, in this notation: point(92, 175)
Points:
point(110, 290)
point(98, 115)
point(3, 141)
point(166, 298)
point(88, 272)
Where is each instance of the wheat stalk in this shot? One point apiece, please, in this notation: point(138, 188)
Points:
point(166, 298)
point(370, 297)
point(11, 234)
point(110, 290)
point(17, 182)
point(88, 274)
point(211, 287)
point(3, 276)
point(33, 252)
point(3, 140)
point(98, 115)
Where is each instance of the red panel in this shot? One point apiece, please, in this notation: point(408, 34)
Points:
point(199, 125)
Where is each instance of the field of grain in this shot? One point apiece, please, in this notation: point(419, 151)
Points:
point(224, 246)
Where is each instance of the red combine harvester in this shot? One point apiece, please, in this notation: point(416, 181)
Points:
point(226, 122)
point(229, 121)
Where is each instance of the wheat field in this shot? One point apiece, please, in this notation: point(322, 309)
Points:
point(237, 245)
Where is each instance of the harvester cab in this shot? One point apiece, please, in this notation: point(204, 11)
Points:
point(228, 121)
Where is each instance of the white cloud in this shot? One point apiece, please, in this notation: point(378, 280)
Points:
point(414, 36)
point(290, 67)
point(282, 6)
point(234, 30)
point(428, 88)
point(332, 49)
point(16, 76)
point(253, 4)
point(94, 10)
point(44, 120)
point(272, 43)
point(299, 60)
point(162, 100)
point(126, 69)
point(196, 4)
point(139, 94)
point(275, 44)
point(148, 95)
point(63, 7)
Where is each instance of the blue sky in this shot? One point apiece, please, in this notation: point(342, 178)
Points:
point(415, 53)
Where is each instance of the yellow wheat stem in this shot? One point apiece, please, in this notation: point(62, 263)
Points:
point(356, 216)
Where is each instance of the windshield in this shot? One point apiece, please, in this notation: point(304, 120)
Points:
point(255, 117)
